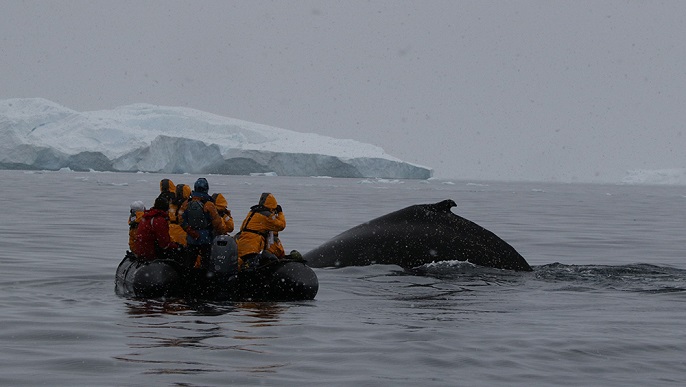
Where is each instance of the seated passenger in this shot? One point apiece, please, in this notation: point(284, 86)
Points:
point(201, 221)
point(152, 238)
point(167, 190)
point(176, 232)
point(257, 232)
point(223, 210)
point(135, 215)
point(277, 249)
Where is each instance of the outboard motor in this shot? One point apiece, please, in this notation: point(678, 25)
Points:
point(224, 257)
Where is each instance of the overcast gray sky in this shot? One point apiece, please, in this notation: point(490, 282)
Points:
point(555, 90)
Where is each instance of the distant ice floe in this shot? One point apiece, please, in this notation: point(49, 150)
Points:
point(381, 181)
point(672, 176)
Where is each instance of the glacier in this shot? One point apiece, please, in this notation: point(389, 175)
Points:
point(41, 134)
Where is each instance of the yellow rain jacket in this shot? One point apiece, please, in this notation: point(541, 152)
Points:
point(259, 225)
point(223, 210)
point(176, 232)
point(134, 219)
point(167, 190)
point(276, 247)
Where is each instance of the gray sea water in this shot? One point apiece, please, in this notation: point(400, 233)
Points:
point(603, 307)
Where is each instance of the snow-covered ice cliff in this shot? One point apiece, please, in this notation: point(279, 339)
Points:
point(40, 134)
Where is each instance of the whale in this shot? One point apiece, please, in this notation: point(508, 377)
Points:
point(415, 236)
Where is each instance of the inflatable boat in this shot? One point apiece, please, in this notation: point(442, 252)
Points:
point(218, 280)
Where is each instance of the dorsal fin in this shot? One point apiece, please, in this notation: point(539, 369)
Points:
point(445, 205)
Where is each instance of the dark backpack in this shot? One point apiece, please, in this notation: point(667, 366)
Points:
point(195, 215)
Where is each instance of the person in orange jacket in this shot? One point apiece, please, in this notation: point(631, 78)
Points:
point(135, 216)
point(152, 236)
point(223, 210)
point(257, 232)
point(201, 221)
point(167, 190)
point(277, 249)
point(176, 232)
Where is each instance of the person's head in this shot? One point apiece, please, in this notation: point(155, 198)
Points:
point(137, 206)
point(201, 185)
point(268, 200)
point(167, 185)
point(183, 191)
point(220, 202)
point(161, 204)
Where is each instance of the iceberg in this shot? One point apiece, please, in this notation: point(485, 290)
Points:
point(41, 134)
point(669, 176)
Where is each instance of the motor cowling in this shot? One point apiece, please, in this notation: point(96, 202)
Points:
point(224, 256)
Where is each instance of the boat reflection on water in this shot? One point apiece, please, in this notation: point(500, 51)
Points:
point(202, 338)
